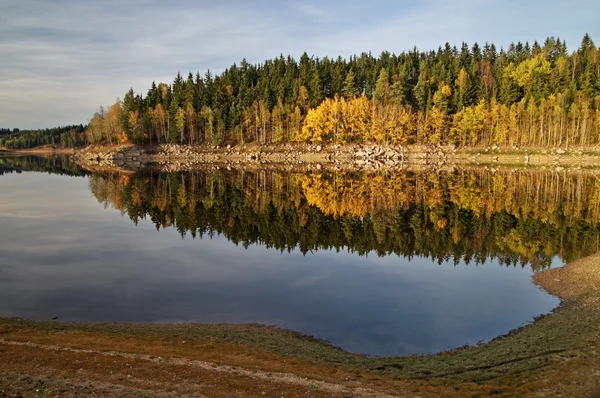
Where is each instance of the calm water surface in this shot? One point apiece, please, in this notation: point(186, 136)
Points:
point(379, 271)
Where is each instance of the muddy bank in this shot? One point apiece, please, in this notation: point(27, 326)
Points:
point(558, 355)
point(45, 150)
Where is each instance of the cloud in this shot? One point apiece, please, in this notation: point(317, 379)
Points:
point(62, 59)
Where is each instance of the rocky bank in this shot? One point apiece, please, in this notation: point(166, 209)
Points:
point(366, 157)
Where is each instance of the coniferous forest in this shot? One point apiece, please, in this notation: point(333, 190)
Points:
point(532, 95)
point(64, 137)
point(525, 95)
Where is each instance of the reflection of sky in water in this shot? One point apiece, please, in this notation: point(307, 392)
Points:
point(62, 254)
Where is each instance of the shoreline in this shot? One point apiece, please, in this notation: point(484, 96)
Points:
point(41, 150)
point(350, 157)
point(310, 157)
point(557, 352)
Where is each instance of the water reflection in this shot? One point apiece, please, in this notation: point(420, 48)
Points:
point(378, 264)
point(516, 217)
point(59, 164)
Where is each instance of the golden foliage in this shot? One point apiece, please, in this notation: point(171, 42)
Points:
point(342, 121)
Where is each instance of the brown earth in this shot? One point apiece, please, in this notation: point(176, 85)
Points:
point(43, 150)
point(558, 355)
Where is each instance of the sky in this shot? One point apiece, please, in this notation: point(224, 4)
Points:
point(61, 59)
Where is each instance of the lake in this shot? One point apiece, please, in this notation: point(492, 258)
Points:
point(380, 264)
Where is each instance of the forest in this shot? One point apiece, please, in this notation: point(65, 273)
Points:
point(526, 95)
point(522, 218)
point(61, 137)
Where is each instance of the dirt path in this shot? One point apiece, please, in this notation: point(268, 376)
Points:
point(57, 370)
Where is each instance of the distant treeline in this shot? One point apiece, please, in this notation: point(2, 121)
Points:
point(525, 95)
point(64, 137)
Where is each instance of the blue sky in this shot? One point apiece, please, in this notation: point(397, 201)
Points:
point(61, 59)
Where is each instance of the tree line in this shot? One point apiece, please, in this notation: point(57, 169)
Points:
point(534, 95)
point(62, 137)
point(525, 95)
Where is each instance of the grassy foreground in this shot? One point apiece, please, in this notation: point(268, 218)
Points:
point(558, 355)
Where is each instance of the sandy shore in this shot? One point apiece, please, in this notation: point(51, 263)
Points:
point(558, 355)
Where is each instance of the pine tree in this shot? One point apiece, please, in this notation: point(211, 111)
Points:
point(381, 94)
point(349, 89)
